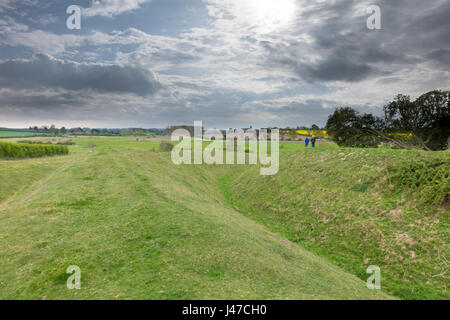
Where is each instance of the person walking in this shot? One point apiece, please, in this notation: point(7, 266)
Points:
point(313, 142)
point(306, 142)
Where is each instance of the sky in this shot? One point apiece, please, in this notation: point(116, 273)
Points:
point(228, 63)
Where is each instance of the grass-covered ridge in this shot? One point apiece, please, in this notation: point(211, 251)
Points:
point(360, 207)
point(11, 150)
point(140, 227)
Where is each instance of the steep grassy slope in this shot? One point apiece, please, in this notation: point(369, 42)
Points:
point(358, 208)
point(140, 227)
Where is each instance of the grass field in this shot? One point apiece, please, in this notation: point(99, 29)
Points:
point(140, 227)
point(9, 134)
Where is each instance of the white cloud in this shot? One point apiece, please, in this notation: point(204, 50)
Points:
point(110, 8)
point(13, 33)
point(6, 5)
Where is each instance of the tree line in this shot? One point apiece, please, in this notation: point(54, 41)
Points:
point(420, 124)
point(53, 130)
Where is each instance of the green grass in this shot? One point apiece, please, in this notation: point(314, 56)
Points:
point(19, 174)
point(359, 207)
point(140, 227)
point(10, 134)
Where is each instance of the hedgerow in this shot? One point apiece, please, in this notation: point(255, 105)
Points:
point(64, 143)
point(22, 150)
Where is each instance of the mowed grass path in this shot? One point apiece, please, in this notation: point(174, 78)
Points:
point(140, 227)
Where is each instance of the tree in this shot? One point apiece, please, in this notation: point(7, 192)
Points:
point(126, 133)
point(63, 130)
point(315, 127)
point(427, 119)
point(76, 130)
point(348, 128)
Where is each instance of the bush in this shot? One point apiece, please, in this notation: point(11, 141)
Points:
point(32, 142)
point(430, 177)
point(22, 150)
point(66, 143)
point(165, 146)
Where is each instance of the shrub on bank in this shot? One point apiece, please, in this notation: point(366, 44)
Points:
point(66, 143)
point(165, 146)
point(22, 150)
point(431, 177)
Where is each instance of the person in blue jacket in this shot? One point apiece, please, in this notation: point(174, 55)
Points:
point(306, 142)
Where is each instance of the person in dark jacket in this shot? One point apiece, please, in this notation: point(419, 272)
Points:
point(313, 142)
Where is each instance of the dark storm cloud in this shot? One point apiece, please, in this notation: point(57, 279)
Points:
point(43, 71)
point(332, 69)
point(307, 113)
point(412, 32)
point(43, 101)
point(442, 57)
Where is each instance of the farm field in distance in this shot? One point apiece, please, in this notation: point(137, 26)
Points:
point(140, 227)
point(11, 133)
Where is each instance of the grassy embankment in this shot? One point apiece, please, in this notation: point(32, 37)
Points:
point(360, 207)
point(140, 227)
